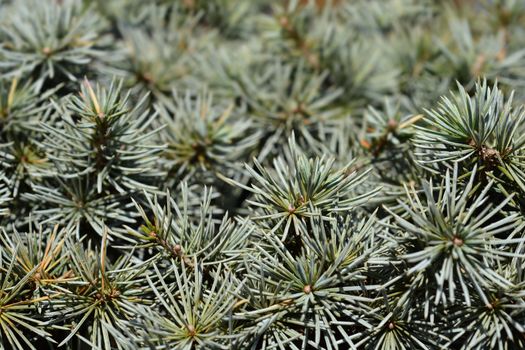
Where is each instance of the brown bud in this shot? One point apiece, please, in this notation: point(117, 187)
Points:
point(191, 330)
point(457, 241)
point(365, 144)
point(392, 124)
point(307, 289)
point(147, 77)
point(489, 153)
point(284, 22)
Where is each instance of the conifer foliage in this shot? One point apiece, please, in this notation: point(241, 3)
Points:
point(295, 174)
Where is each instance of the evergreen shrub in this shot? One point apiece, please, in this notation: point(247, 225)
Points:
point(259, 174)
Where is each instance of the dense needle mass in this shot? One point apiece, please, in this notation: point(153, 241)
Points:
point(262, 175)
